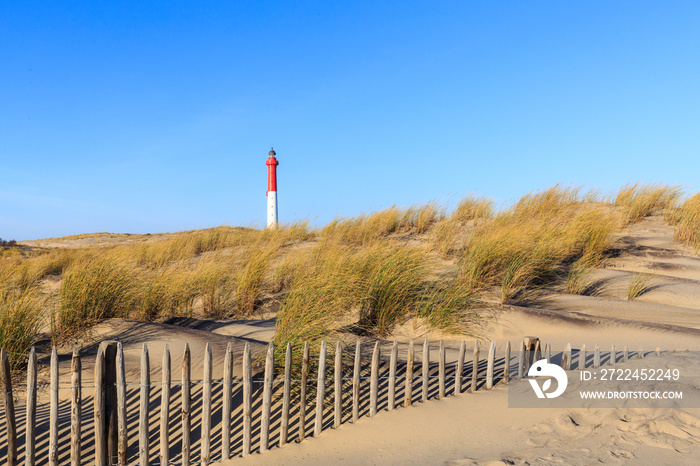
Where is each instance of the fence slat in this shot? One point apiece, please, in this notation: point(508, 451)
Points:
point(206, 406)
point(625, 354)
point(30, 431)
point(10, 421)
point(566, 358)
point(267, 399)
point(100, 415)
point(538, 351)
point(491, 361)
point(392, 375)
point(338, 386)
point(226, 409)
point(408, 395)
point(425, 369)
point(320, 389)
point(506, 364)
point(302, 391)
point(528, 356)
point(459, 370)
point(123, 442)
point(374, 381)
point(596, 356)
point(186, 414)
point(356, 384)
point(582, 357)
point(110, 384)
point(76, 407)
point(247, 399)
point(144, 395)
point(521, 360)
point(475, 366)
point(286, 397)
point(613, 356)
point(548, 351)
point(165, 408)
point(53, 416)
point(441, 377)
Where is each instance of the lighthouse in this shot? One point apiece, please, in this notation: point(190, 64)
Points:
point(272, 189)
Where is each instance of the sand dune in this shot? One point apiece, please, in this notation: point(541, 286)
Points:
point(472, 428)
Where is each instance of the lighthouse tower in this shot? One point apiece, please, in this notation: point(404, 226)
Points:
point(272, 189)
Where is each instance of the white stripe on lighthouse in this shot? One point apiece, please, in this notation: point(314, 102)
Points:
point(272, 209)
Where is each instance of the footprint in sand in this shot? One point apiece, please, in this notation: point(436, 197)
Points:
point(623, 454)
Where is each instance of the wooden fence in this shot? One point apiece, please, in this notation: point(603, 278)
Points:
point(125, 429)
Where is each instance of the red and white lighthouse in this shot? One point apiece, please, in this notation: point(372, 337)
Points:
point(272, 189)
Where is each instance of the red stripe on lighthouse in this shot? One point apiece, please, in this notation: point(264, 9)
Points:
point(271, 172)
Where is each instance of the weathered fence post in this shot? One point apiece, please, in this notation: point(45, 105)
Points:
point(110, 398)
point(9, 408)
point(475, 366)
point(506, 362)
point(640, 353)
point(53, 416)
point(613, 356)
point(165, 408)
point(582, 357)
point(356, 384)
point(286, 395)
point(489, 366)
point(206, 406)
point(100, 415)
point(226, 408)
point(123, 446)
point(529, 347)
point(320, 389)
point(408, 395)
point(538, 351)
point(247, 399)
point(521, 360)
point(76, 407)
point(596, 356)
point(425, 368)
point(566, 358)
point(658, 351)
point(548, 351)
point(441, 370)
point(392, 375)
point(267, 398)
point(338, 386)
point(30, 432)
point(374, 381)
point(186, 414)
point(459, 370)
point(625, 354)
point(143, 407)
point(302, 391)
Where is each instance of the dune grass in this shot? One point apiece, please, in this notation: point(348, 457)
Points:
point(166, 293)
point(639, 284)
point(21, 317)
point(93, 288)
point(686, 221)
point(368, 229)
point(473, 208)
point(638, 201)
point(578, 280)
point(527, 245)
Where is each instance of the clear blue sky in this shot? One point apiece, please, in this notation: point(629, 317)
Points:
point(158, 116)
